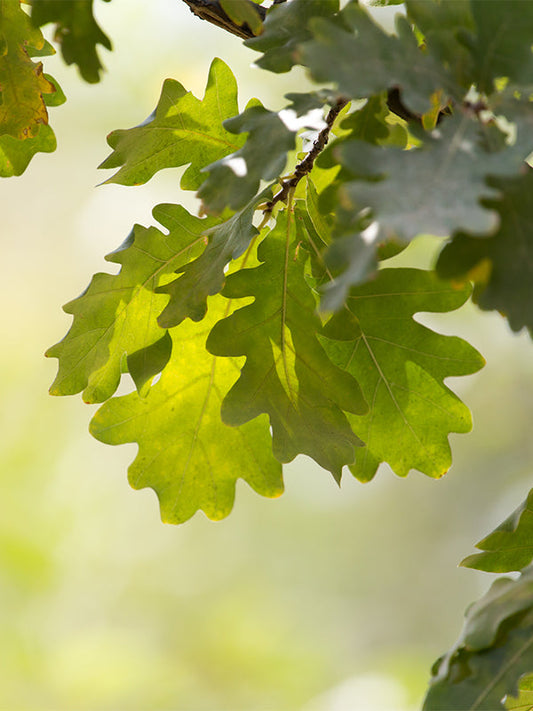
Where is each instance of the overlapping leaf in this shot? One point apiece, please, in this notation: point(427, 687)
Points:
point(243, 12)
point(433, 189)
point(401, 366)
point(186, 454)
point(495, 649)
point(117, 315)
point(205, 275)
point(524, 700)
point(285, 28)
point(501, 46)
point(510, 546)
point(287, 374)
point(501, 265)
point(235, 179)
point(182, 131)
point(22, 82)
point(76, 31)
point(363, 60)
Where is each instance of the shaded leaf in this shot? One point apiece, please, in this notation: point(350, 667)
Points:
point(22, 82)
point(510, 546)
point(235, 179)
point(149, 361)
point(117, 315)
point(285, 28)
point(433, 189)
point(181, 131)
point(501, 265)
point(287, 373)
point(401, 367)
point(76, 31)
point(186, 454)
point(243, 12)
point(494, 651)
point(204, 276)
point(501, 47)
point(363, 60)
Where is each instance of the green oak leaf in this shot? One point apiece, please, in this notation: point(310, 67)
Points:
point(117, 315)
point(285, 28)
point(435, 188)
point(524, 701)
point(494, 651)
point(235, 179)
point(205, 275)
point(501, 46)
point(76, 31)
point(401, 367)
point(22, 82)
point(363, 60)
point(287, 373)
point(500, 264)
point(15, 154)
point(510, 546)
point(188, 456)
point(181, 131)
point(443, 25)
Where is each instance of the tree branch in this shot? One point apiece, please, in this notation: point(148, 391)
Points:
point(305, 167)
point(211, 11)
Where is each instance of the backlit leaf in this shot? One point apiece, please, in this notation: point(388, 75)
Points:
point(186, 454)
point(401, 366)
point(287, 373)
point(181, 131)
point(117, 315)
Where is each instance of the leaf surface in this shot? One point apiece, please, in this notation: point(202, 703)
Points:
point(363, 60)
point(501, 265)
point(401, 366)
point(186, 454)
point(181, 131)
point(76, 31)
point(433, 189)
point(494, 651)
point(117, 315)
point(287, 373)
point(22, 82)
point(510, 546)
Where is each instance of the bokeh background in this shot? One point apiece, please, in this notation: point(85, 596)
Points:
point(326, 599)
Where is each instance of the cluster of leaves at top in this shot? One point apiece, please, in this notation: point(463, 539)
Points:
point(273, 325)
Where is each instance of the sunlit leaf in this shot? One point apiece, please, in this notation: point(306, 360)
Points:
point(401, 366)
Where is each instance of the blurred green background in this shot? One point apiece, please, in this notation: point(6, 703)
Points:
point(323, 600)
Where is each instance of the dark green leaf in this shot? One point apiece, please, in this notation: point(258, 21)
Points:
point(401, 367)
point(510, 546)
point(149, 361)
point(433, 189)
point(186, 454)
point(76, 31)
point(235, 179)
point(182, 130)
point(287, 373)
point(285, 28)
point(500, 265)
point(204, 276)
point(363, 60)
point(495, 649)
point(117, 315)
point(501, 46)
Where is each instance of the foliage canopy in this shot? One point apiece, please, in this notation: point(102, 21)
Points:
point(273, 324)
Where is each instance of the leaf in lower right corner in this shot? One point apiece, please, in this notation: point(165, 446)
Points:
point(401, 367)
point(493, 653)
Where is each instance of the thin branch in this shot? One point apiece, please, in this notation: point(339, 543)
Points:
point(211, 11)
point(306, 166)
